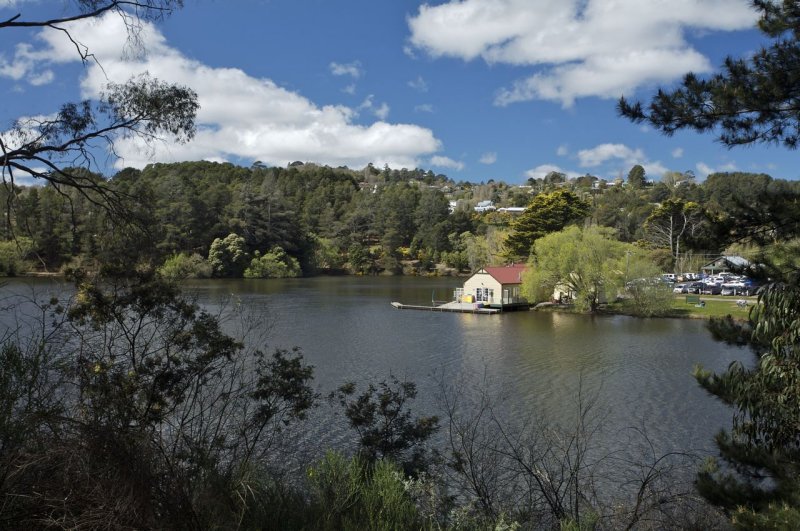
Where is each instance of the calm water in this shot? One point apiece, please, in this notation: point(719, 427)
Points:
point(639, 369)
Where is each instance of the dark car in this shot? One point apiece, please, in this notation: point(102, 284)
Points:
point(711, 289)
point(695, 287)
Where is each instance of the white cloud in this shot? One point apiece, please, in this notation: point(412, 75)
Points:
point(704, 170)
point(598, 155)
point(488, 158)
point(346, 69)
point(425, 107)
point(654, 169)
point(539, 172)
point(446, 162)
point(677, 153)
point(25, 65)
point(382, 112)
point(604, 76)
point(563, 150)
point(621, 156)
point(418, 84)
point(350, 89)
point(578, 48)
point(240, 116)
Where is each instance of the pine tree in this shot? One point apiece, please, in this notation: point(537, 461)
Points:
point(547, 213)
point(752, 100)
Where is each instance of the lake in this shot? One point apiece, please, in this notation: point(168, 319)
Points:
point(639, 370)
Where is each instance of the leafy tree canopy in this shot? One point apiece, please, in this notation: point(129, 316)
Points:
point(587, 262)
point(545, 214)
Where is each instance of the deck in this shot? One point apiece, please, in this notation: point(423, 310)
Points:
point(457, 307)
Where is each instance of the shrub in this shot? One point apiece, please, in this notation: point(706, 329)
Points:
point(273, 264)
point(352, 494)
point(182, 266)
point(11, 256)
point(227, 256)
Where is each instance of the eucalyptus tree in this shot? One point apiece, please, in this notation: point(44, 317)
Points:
point(143, 107)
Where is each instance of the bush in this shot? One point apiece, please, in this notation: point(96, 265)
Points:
point(132, 408)
point(11, 256)
point(182, 266)
point(648, 298)
point(227, 256)
point(273, 264)
point(352, 494)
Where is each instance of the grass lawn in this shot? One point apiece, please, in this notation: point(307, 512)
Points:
point(715, 306)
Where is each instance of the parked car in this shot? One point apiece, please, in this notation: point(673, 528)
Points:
point(679, 288)
point(711, 288)
point(695, 287)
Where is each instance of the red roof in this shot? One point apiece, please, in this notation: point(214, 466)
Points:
point(507, 275)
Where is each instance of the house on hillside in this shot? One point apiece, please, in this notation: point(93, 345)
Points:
point(495, 287)
point(726, 264)
point(484, 206)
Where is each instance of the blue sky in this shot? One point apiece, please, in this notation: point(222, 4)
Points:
point(474, 89)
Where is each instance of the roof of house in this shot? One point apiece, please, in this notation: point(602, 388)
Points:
point(508, 274)
point(734, 261)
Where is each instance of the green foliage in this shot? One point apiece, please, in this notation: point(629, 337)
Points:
point(588, 262)
point(228, 256)
point(273, 264)
point(647, 296)
point(359, 258)
point(182, 266)
point(352, 494)
point(765, 438)
point(134, 408)
point(385, 426)
point(624, 209)
point(636, 177)
point(778, 516)
point(547, 213)
point(12, 255)
point(672, 223)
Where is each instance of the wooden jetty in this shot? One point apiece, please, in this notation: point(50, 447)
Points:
point(455, 307)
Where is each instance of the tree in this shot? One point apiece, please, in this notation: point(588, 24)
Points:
point(142, 107)
point(623, 209)
point(228, 256)
point(672, 223)
point(763, 447)
point(646, 294)
point(752, 100)
point(385, 426)
point(273, 264)
point(588, 262)
point(545, 214)
point(636, 177)
point(130, 407)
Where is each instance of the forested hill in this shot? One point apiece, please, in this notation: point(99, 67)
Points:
point(205, 218)
point(325, 218)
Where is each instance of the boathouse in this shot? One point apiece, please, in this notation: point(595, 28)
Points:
point(494, 287)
